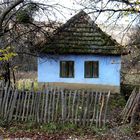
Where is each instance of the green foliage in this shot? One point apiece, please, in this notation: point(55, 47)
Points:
point(50, 127)
point(99, 131)
point(7, 54)
point(28, 84)
point(117, 101)
point(126, 129)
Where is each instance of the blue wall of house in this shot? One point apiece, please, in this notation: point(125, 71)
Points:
point(109, 69)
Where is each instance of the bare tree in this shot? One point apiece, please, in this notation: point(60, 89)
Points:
point(20, 31)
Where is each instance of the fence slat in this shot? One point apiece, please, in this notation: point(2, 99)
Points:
point(69, 104)
point(28, 105)
point(86, 108)
point(73, 104)
point(17, 106)
point(46, 105)
point(24, 106)
point(49, 105)
point(53, 104)
point(80, 107)
point(57, 104)
point(12, 106)
point(101, 109)
point(77, 106)
point(94, 110)
point(106, 105)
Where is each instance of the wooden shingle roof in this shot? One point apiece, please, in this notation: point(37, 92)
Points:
point(80, 35)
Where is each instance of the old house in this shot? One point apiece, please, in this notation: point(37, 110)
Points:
point(80, 53)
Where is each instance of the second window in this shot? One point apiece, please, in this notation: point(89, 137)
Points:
point(91, 69)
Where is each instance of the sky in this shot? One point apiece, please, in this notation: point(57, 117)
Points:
point(69, 8)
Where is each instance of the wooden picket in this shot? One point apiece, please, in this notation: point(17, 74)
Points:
point(81, 107)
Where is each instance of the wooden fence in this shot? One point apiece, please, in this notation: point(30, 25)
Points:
point(130, 107)
point(81, 107)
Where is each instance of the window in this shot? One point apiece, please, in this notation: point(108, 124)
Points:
point(67, 69)
point(91, 69)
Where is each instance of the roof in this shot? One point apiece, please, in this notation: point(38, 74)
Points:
point(80, 35)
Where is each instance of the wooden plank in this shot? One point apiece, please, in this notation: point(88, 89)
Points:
point(90, 107)
point(86, 108)
point(34, 117)
point(4, 99)
point(98, 106)
point(106, 105)
point(42, 103)
point(38, 107)
point(46, 105)
point(57, 104)
point(77, 106)
point(24, 106)
point(49, 105)
point(12, 106)
point(9, 96)
point(53, 104)
point(18, 105)
point(73, 106)
point(82, 107)
point(31, 111)
point(63, 105)
point(69, 104)
point(128, 102)
point(10, 102)
point(101, 109)
point(94, 110)
point(28, 106)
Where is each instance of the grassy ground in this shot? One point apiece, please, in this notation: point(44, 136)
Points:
point(114, 130)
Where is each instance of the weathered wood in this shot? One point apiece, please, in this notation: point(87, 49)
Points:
point(101, 109)
point(17, 106)
point(55, 105)
point(12, 106)
point(128, 102)
point(97, 112)
point(24, 106)
point(31, 111)
point(69, 104)
point(4, 99)
point(21, 105)
point(6, 102)
point(106, 105)
point(82, 107)
point(86, 108)
point(42, 103)
point(73, 105)
point(77, 106)
point(28, 105)
point(46, 105)
point(49, 105)
point(90, 107)
point(38, 107)
point(94, 110)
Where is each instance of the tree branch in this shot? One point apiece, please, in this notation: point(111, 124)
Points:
point(7, 10)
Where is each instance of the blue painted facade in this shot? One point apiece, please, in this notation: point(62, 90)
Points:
point(109, 69)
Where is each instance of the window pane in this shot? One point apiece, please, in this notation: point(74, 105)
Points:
point(91, 69)
point(71, 69)
point(88, 69)
point(66, 69)
point(95, 69)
